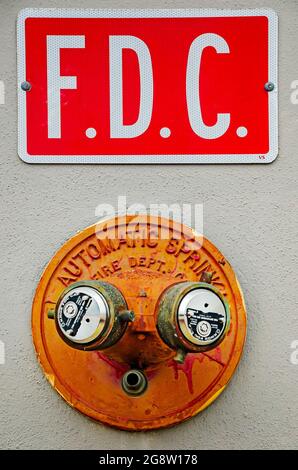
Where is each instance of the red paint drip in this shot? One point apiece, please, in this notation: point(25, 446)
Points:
point(150, 374)
point(141, 322)
point(217, 355)
point(118, 368)
point(186, 368)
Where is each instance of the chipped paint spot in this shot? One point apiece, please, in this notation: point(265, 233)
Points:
point(51, 379)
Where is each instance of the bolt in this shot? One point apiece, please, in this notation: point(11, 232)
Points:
point(180, 356)
point(142, 293)
point(206, 277)
point(269, 86)
point(26, 86)
point(51, 314)
point(126, 315)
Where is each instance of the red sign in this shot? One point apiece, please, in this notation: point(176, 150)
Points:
point(143, 86)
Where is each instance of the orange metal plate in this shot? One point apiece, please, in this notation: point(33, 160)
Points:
point(141, 269)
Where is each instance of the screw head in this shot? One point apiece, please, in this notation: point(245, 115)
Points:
point(26, 86)
point(269, 86)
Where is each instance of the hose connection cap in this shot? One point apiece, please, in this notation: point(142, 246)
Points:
point(88, 315)
point(193, 317)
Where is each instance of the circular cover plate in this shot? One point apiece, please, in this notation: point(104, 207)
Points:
point(202, 316)
point(94, 311)
point(142, 269)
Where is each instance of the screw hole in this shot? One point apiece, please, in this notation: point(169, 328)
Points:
point(134, 382)
point(133, 379)
point(87, 320)
point(206, 305)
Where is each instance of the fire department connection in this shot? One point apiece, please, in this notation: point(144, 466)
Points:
point(143, 333)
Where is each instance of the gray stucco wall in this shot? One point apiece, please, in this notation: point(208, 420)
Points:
point(250, 213)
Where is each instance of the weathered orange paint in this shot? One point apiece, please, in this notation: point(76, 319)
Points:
point(91, 381)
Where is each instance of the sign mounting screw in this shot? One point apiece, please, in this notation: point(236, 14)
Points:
point(269, 86)
point(26, 86)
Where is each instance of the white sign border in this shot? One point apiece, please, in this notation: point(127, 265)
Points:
point(149, 159)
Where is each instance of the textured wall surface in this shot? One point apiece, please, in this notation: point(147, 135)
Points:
point(250, 213)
